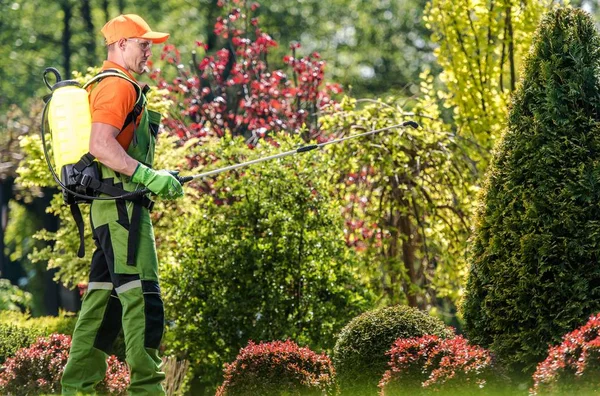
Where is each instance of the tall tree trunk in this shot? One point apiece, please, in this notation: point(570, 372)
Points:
point(6, 186)
point(408, 258)
point(122, 6)
point(105, 10)
point(67, 8)
point(511, 49)
point(211, 15)
point(90, 46)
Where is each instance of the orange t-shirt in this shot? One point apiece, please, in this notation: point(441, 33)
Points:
point(111, 100)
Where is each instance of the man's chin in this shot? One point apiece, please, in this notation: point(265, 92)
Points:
point(142, 69)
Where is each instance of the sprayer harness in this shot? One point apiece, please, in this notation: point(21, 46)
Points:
point(81, 182)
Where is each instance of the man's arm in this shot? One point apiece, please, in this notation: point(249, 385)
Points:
point(107, 150)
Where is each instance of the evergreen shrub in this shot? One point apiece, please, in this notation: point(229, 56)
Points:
point(275, 368)
point(359, 355)
point(535, 272)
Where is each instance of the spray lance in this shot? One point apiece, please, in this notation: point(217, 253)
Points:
point(67, 115)
point(302, 149)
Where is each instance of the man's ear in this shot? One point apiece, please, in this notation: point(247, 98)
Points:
point(122, 44)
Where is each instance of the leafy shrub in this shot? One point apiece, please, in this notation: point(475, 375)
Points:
point(38, 369)
point(574, 365)
point(359, 353)
point(431, 362)
point(19, 330)
point(12, 298)
point(259, 256)
point(13, 338)
point(534, 258)
point(64, 323)
point(278, 367)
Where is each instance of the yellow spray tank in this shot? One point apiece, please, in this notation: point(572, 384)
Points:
point(70, 122)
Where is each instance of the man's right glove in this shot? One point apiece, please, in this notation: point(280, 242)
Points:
point(161, 182)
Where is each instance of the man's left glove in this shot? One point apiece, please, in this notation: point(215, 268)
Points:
point(161, 182)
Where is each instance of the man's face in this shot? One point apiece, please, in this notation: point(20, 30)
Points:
point(136, 53)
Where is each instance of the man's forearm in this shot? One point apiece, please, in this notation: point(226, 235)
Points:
point(107, 150)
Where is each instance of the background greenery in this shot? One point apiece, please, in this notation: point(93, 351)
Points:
point(297, 247)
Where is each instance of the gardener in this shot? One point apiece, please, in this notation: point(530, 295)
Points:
point(123, 289)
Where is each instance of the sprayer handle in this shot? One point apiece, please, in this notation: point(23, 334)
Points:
point(56, 75)
point(144, 191)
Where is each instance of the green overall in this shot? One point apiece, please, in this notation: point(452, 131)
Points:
point(123, 289)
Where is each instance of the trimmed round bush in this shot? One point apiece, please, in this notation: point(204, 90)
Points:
point(276, 368)
point(359, 355)
point(37, 369)
point(572, 367)
point(535, 272)
point(422, 364)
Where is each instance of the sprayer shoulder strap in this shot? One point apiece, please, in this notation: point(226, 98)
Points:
point(140, 92)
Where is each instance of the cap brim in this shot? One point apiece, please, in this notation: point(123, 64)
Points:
point(156, 37)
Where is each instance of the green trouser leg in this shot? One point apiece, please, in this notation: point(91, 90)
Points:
point(86, 365)
point(144, 362)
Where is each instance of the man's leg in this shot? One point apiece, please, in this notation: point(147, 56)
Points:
point(143, 314)
point(143, 321)
point(97, 327)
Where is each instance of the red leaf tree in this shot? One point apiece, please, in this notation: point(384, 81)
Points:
point(234, 89)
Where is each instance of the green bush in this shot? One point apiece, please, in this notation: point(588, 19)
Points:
point(12, 298)
point(13, 338)
point(23, 323)
point(535, 260)
point(360, 356)
point(64, 323)
point(260, 256)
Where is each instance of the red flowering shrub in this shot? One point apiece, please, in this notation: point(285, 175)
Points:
point(234, 89)
point(38, 369)
point(116, 380)
point(430, 362)
point(278, 367)
point(574, 364)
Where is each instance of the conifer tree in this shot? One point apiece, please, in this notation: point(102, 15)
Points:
point(535, 271)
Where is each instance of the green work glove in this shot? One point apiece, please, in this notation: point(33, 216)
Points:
point(161, 182)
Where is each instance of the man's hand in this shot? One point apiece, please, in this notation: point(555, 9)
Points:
point(161, 182)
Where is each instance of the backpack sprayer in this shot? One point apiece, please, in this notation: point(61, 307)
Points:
point(68, 115)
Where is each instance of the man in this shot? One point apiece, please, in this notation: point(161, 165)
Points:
point(123, 289)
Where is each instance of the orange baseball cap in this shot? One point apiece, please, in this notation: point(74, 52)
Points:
point(131, 26)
